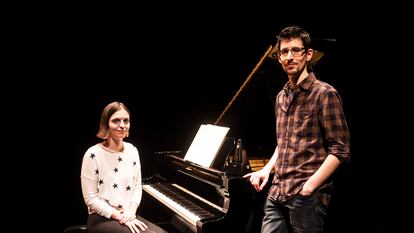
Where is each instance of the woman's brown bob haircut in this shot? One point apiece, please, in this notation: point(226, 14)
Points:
point(108, 111)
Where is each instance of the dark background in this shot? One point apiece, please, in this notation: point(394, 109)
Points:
point(177, 67)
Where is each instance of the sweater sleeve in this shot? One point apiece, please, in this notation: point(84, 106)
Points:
point(89, 183)
point(137, 196)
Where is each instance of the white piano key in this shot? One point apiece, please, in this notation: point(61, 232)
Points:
point(177, 208)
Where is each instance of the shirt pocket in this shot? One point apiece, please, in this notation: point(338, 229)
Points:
point(303, 124)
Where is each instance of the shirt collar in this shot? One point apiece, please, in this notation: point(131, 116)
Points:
point(304, 85)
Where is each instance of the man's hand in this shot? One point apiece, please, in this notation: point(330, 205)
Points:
point(258, 179)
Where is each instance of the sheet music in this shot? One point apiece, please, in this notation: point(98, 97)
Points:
point(206, 144)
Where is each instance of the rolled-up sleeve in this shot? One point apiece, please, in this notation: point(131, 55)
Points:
point(335, 126)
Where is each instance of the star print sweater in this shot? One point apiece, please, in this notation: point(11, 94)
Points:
point(111, 180)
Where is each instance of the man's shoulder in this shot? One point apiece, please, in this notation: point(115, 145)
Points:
point(324, 86)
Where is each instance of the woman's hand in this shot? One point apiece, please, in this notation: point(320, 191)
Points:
point(127, 216)
point(134, 225)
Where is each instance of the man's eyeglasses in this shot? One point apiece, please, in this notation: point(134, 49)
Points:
point(296, 51)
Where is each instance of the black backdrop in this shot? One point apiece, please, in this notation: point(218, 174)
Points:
point(176, 73)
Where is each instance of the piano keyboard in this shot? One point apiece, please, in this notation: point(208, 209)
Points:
point(186, 204)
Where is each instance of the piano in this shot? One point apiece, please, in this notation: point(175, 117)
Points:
point(183, 196)
point(186, 197)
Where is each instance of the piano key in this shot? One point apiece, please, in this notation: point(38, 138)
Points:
point(189, 200)
point(177, 208)
point(186, 204)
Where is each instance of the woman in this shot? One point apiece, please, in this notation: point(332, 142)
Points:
point(111, 177)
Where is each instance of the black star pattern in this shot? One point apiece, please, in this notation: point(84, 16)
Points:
point(100, 182)
point(92, 156)
point(115, 186)
point(134, 163)
point(128, 188)
point(116, 170)
point(97, 172)
point(119, 159)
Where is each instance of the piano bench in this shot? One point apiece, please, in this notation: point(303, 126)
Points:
point(76, 229)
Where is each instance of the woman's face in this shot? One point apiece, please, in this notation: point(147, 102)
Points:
point(119, 125)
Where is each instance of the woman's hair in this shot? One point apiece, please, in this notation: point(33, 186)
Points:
point(106, 114)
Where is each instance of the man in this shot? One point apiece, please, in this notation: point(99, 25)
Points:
point(312, 140)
